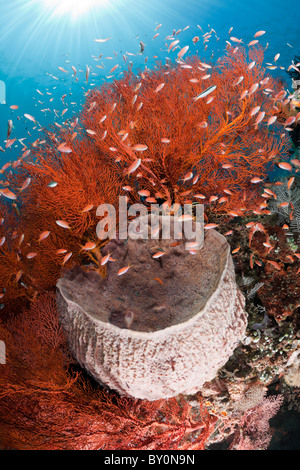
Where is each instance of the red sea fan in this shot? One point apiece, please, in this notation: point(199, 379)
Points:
point(188, 144)
point(46, 405)
point(62, 187)
point(155, 133)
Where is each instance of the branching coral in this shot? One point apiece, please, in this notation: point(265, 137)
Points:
point(285, 204)
point(254, 432)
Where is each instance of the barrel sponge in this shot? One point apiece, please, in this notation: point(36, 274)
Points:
point(148, 339)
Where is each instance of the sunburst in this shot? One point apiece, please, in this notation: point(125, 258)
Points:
point(75, 9)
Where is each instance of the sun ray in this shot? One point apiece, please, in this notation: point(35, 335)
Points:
point(72, 8)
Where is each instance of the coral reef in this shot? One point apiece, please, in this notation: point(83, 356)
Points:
point(47, 403)
point(280, 292)
point(267, 360)
point(154, 138)
point(284, 204)
point(254, 432)
point(138, 138)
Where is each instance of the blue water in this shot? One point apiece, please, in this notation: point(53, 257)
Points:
point(34, 42)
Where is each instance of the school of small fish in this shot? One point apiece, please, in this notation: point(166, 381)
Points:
point(140, 151)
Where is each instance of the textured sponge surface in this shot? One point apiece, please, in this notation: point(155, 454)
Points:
point(148, 339)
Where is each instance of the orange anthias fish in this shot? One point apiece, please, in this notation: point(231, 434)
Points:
point(223, 199)
point(285, 166)
point(259, 33)
point(89, 246)
point(87, 73)
point(7, 193)
point(188, 176)
point(251, 43)
point(9, 143)
point(19, 275)
point(234, 39)
point(296, 162)
point(106, 258)
point(114, 68)
point(290, 121)
point(61, 251)
point(173, 44)
point(66, 258)
point(87, 208)
point(139, 148)
point(101, 40)
point(44, 235)
point(260, 117)
point(144, 192)
point(123, 270)
point(238, 81)
point(276, 265)
point(182, 52)
point(159, 87)
point(62, 70)
point(63, 224)
point(290, 182)
point(185, 218)
point(133, 166)
point(253, 88)
point(254, 111)
point(271, 120)
point(25, 184)
point(31, 118)
point(158, 254)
